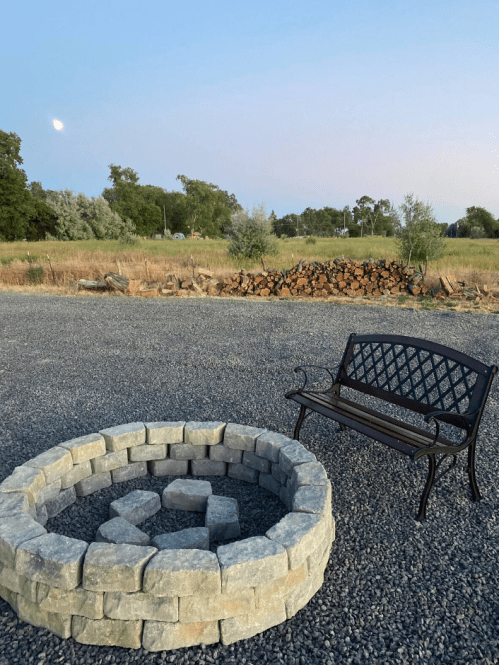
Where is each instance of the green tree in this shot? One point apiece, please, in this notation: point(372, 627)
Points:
point(420, 239)
point(209, 209)
point(16, 203)
point(477, 223)
point(251, 235)
point(127, 198)
point(369, 212)
point(43, 219)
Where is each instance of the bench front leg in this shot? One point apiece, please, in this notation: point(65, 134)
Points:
point(427, 488)
point(299, 422)
point(475, 492)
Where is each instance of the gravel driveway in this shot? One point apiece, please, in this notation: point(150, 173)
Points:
point(396, 591)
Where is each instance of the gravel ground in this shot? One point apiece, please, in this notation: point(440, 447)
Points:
point(396, 591)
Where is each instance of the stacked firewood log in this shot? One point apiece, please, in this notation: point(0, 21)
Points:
point(339, 277)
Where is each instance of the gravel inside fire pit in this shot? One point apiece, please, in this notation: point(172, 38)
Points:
point(259, 509)
point(396, 591)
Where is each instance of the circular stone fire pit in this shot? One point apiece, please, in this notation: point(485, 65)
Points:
point(138, 596)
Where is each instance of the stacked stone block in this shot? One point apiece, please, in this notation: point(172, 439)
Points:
point(139, 595)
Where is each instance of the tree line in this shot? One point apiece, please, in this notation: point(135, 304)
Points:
point(127, 208)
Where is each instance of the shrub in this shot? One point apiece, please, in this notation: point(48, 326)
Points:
point(420, 239)
point(311, 240)
point(250, 235)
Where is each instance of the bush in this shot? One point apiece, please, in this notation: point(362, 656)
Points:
point(420, 239)
point(311, 240)
point(250, 235)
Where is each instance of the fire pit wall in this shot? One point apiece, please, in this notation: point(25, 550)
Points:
point(135, 596)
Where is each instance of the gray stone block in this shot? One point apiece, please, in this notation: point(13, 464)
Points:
point(13, 504)
point(70, 601)
point(160, 636)
point(109, 461)
point(267, 481)
point(148, 452)
point(300, 596)
point(256, 462)
point(278, 474)
point(187, 451)
point(182, 573)
point(10, 597)
point(41, 515)
point(246, 626)
point(136, 507)
point(52, 559)
point(208, 467)
point(169, 467)
point(124, 436)
point(286, 495)
point(139, 605)
point(250, 561)
point(14, 531)
point(85, 448)
point(222, 518)
point(119, 531)
point(221, 453)
point(168, 432)
point(109, 567)
point(49, 492)
point(54, 463)
point(129, 472)
point(182, 494)
point(204, 433)
point(25, 479)
point(242, 472)
point(241, 437)
point(64, 499)
point(60, 624)
point(107, 632)
point(298, 533)
point(197, 538)
point(311, 473)
point(269, 444)
point(93, 484)
point(77, 473)
point(292, 455)
point(312, 499)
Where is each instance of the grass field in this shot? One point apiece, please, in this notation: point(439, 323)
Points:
point(62, 263)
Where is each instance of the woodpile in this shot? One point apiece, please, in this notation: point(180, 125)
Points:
point(340, 277)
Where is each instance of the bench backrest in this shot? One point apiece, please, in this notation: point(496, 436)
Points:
point(418, 375)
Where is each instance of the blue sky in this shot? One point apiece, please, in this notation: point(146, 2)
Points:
point(295, 104)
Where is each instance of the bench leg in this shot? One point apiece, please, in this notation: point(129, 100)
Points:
point(299, 422)
point(475, 492)
point(427, 488)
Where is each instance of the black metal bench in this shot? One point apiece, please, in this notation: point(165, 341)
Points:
point(443, 385)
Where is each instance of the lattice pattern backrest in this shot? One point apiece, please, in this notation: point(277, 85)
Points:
point(413, 373)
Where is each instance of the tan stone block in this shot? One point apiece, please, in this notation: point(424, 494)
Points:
point(124, 436)
point(60, 624)
point(75, 601)
point(147, 452)
point(9, 596)
point(165, 432)
point(85, 448)
point(25, 479)
point(300, 596)
point(139, 605)
point(182, 573)
point(54, 463)
point(216, 606)
point(77, 473)
point(160, 636)
point(107, 632)
point(18, 583)
point(243, 627)
point(282, 586)
point(109, 461)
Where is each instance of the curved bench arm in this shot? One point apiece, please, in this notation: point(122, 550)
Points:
point(303, 368)
point(465, 417)
point(434, 446)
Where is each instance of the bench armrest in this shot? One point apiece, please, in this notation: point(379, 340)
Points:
point(437, 415)
point(303, 368)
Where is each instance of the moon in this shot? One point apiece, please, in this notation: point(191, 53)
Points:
point(58, 125)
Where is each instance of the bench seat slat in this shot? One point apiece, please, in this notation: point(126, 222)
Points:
point(405, 438)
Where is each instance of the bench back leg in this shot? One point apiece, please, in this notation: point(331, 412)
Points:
point(475, 492)
point(430, 480)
